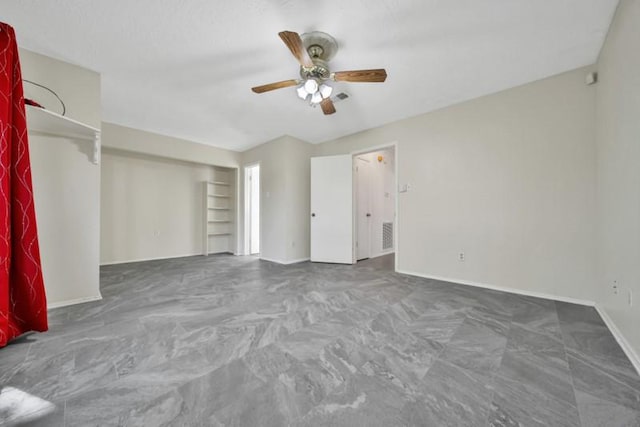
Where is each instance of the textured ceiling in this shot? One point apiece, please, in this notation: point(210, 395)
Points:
point(185, 68)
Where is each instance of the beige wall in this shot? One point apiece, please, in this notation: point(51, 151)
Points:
point(508, 179)
point(138, 141)
point(152, 200)
point(618, 141)
point(284, 198)
point(66, 184)
point(78, 87)
point(152, 207)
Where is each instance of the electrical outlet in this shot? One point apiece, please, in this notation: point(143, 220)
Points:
point(461, 257)
point(615, 287)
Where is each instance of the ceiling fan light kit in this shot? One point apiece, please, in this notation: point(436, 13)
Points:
point(313, 51)
point(313, 92)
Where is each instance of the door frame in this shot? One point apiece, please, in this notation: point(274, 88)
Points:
point(358, 190)
point(354, 154)
point(247, 207)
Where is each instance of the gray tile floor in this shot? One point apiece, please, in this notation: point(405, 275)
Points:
point(236, 341)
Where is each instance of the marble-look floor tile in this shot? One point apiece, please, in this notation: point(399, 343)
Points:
point(478, 343)
point(595, 412)
point(533, 389)
point(224, 340)
point(605, 379)
point(365, 399)
point(584, 331)
point(536, 314)
point(451, 396)
point(537, 341)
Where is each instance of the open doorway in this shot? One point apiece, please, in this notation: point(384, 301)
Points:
point(374, 192)
point(252, 209)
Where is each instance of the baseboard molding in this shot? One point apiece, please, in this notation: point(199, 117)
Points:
point(277, 261)
point(73, 302)
point(626, 347)
point(151, 259)
point(503, 289)
point(391, 252)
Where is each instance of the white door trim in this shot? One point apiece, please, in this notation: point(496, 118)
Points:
point(246, 250)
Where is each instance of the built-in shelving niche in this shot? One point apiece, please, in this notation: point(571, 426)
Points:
point(220, 200)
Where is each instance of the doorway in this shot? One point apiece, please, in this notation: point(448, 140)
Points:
point(375, 202)
point(252, 209)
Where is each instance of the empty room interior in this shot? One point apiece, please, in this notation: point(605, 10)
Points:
point(275, 213)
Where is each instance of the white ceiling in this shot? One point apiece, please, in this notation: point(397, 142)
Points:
point(185, 68)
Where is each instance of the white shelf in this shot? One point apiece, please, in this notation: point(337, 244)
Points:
point(219, 196)
point(48, 123)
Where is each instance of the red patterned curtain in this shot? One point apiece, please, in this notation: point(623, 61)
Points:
point(23, 305)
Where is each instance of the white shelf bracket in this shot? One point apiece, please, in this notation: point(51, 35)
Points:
point(96, 149)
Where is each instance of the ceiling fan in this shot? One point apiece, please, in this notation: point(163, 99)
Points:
point(313, 51)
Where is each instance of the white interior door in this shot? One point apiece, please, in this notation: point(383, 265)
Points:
point(332, 209)
point(363, 208)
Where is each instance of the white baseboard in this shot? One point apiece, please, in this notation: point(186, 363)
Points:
point(277, 261)
point(150, 259)
point(381, 254)
point(626, 347)
point(73, 302)
point(503, 289)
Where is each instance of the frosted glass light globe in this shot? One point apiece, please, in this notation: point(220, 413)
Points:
point(311, 86)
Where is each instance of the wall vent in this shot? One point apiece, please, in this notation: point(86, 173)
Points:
point(387, 236)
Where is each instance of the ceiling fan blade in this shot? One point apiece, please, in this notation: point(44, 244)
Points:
point(294, 43)
point(327, 106)
point(373, 76)
point(274, 86)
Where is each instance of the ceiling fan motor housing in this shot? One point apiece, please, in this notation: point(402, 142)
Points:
point(320, 70)
point(321, 48)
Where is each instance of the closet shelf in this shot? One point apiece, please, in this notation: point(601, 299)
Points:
point(48, 123)
point(219, 194)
